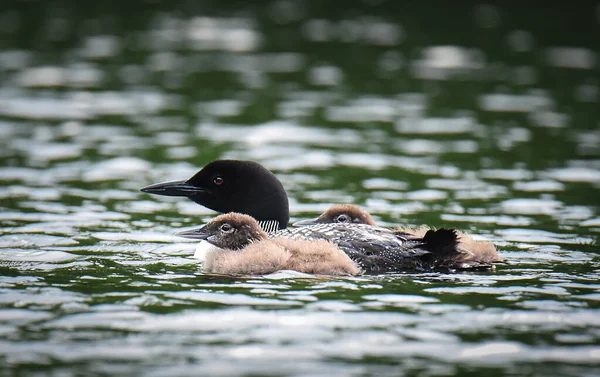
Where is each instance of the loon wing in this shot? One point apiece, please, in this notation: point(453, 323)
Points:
point(375, 246)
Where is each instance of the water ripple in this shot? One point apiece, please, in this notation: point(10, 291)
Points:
point(448, 131)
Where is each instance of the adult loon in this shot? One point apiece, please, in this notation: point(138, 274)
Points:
point(249, 188)
point(374, 249)
point(243, 248)
point(472, 251)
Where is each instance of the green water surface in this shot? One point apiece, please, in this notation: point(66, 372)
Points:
point(476, 115)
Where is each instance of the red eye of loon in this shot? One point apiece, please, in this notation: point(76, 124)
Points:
point(218, 180)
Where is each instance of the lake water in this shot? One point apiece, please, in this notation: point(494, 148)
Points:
point(475, 116)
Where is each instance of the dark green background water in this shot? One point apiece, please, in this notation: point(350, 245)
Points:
point(470, 114)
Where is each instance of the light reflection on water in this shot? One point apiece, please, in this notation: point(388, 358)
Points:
point(94, 280)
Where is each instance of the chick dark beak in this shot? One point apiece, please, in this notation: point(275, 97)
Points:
point(195, 233)
point(173, 188)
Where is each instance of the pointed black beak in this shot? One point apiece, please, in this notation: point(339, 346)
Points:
point(173, 188)
point(195, 233)
point(306, 222)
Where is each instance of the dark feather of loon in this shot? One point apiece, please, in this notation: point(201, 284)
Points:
point(469, 254)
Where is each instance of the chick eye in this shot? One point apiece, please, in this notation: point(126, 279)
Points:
point(226, 228)
point(343, 218)
point(218, 180)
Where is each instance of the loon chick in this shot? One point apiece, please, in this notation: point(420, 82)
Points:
point(234, 186)
point(473, 252)
point(243, 248)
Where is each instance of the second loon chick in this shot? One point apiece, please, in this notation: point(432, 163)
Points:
point(243, 248)
point(472, 252)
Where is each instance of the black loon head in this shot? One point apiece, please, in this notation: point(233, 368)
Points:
point(233, 186)
point(341, 214)
point(232, 231)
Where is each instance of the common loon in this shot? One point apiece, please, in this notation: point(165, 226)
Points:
point(243, 248)
point(374, 249)
point(249, 188)
point(473, 252)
